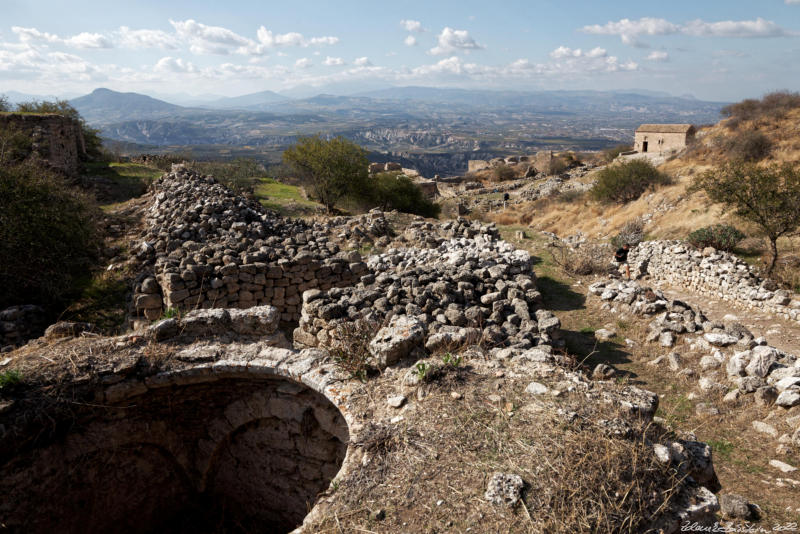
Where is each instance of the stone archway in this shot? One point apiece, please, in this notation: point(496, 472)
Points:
point(233, 454)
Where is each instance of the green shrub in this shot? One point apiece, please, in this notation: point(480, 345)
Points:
point(47, 235)
point(502, 173)
point(10, 379)
point(719, 236)
point(392, 191)
point(626, 181)
point(748, 146)
point(775, 105)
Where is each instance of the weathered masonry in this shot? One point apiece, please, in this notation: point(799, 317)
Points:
point(56, 139)
point(662, 137)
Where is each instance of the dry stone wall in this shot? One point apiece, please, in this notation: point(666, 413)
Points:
point(19, 324)
point(56, 139)
point(208, 248)
point(712, 272)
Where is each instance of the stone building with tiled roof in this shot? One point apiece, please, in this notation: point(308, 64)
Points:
point(656, 138)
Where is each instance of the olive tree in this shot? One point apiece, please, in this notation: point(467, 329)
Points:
point(330, 168)
point(768, 196)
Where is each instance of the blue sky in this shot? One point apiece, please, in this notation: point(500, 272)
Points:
point(713, 49)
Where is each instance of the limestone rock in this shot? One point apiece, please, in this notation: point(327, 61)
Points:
point(504, 489)
point(396, 341)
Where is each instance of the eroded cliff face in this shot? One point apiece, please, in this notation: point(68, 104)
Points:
point(56, 139)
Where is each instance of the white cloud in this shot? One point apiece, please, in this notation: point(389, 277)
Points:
point(323, 41)
point(303, 63)
point(411, 25)
point(32, 35)
point(735, 28)
point(793, 2)
point(171, 64)
point(451, 40)
point(269, 39)
point(205, 39)
point(333, 61)
point(88, 40)
point(629, 30)
point(410, 41)
point(129, 38)
point(575, 60)
point(565, 52)
point(82, 40)
point(657, 55)
point(362, 62)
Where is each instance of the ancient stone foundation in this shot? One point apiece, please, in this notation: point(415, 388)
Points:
point(712, 272)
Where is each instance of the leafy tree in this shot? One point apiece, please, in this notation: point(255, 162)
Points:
point(767, 196)
point(393, 191)
point(4, 105)
point(331, 168)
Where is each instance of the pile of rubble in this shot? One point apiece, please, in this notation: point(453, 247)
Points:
point(712, 272)
point(205, 247)
point(734, 362)
point(466, 289)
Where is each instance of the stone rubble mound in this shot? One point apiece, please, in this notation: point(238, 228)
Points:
point(712, 272)
point(208, 248)
point(733, 358)
point(465, 290)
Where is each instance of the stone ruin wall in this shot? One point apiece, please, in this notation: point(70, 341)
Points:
point(58, 140)
point(19, 324)
point(207, 248)
point(712, 272)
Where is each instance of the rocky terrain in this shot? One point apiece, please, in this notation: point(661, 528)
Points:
point(448, 320)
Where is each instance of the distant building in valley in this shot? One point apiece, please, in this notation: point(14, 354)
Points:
point(655, 138)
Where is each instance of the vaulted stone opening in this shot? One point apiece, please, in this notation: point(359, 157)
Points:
point(230, 455)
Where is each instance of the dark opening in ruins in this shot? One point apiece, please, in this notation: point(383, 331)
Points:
point(232, 455)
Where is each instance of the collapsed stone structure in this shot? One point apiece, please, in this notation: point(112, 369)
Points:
point(712, 272)
point(56, 139)
point(207, 248)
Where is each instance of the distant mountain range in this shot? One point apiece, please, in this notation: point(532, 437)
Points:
point(399, 120)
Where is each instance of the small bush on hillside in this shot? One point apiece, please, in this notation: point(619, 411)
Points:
point(631, 234)
point(626, 181)
point(748, 146)
point(611, 154)
point(588, 258)
point(772, 105)
point(720, 236)
point(15, 146)
point(47, 235)
point(4, 105)
point(557, 165)
point(392, 191)
point(502, 173)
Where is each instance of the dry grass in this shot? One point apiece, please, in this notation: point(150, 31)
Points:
point(428, 472)
point(589, 258)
